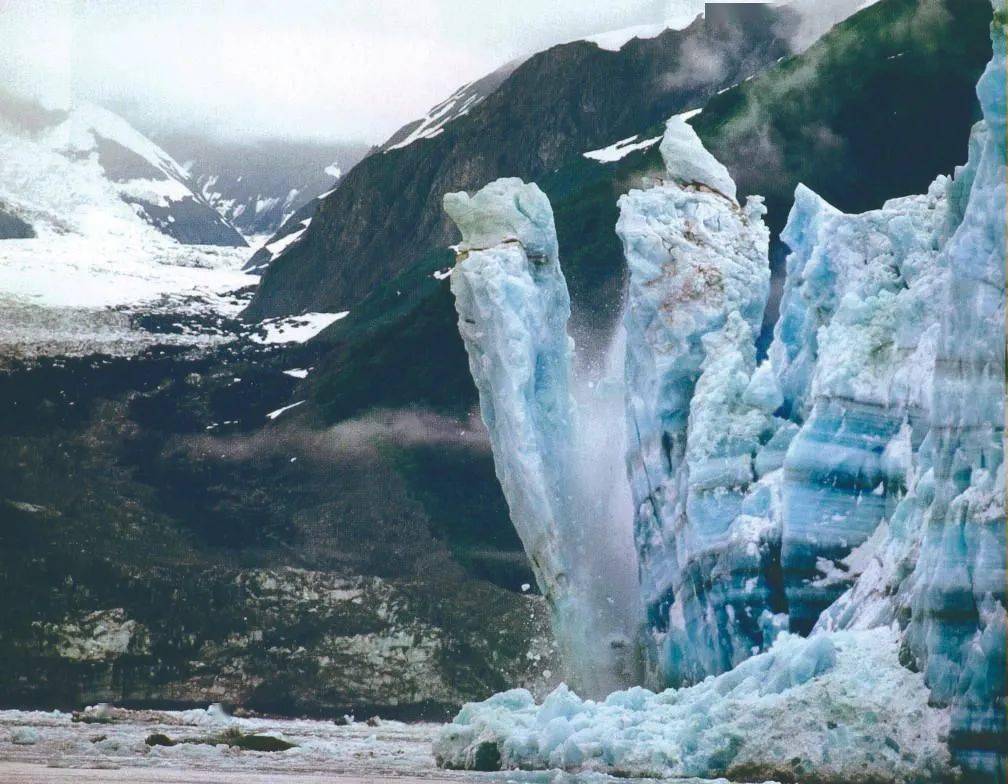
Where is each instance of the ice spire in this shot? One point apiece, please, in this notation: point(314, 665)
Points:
point(699, 279)
point(560, 475)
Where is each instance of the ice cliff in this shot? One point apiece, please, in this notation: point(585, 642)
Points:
point(855, 479)
point(561, 477)
point(699, 280)
point(850, 487)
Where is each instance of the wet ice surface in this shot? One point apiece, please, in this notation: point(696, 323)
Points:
point(50, 747)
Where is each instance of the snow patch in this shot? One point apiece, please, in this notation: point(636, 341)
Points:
point(620, 149)
point(280, 411)
point(295, 329)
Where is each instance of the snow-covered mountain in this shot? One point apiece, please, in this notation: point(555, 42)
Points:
point(87, 171)
point(257, 185)
point(456, 105)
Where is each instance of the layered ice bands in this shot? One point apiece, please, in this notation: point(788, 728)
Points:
point(852, 354)
point(939, 564)
point(562, 479)
point(706, 520)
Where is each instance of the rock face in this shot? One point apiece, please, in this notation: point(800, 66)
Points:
point(12, 227)
point(258, 185)
point(513, 309)
point(386, 213)
point(294, 640)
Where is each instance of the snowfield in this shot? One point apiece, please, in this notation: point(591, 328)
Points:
point(73, 295)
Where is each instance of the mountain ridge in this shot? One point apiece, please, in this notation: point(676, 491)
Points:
point(88, 171)
point(386, 212)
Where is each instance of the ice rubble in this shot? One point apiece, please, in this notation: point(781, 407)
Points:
point(851, 486)
point(559, 472)
point(836, 708)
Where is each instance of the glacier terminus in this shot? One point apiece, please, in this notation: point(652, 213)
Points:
point(818, 536)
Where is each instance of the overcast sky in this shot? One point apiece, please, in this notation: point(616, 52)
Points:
point(328, 69)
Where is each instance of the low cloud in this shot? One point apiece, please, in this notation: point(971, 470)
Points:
point(364, 435)
point(354, 69)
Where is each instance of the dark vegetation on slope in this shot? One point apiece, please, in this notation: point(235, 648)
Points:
point(147, 495)
point(876, 110)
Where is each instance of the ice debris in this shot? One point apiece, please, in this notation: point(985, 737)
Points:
point(829, 708)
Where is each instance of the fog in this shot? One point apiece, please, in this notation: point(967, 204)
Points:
point(336, 70)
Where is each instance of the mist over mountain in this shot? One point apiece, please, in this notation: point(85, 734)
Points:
point(257, 185)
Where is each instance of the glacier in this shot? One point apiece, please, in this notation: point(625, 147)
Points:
point(821, 535)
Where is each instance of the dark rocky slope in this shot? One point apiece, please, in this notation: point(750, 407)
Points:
point(160, 545)
point(386, 213)
point(257, 185)
point(12, 227)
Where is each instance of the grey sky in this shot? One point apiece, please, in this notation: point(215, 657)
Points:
point(336, 69)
